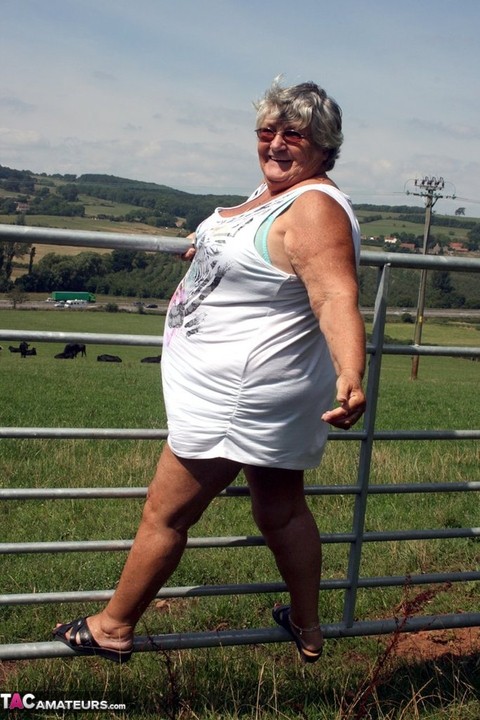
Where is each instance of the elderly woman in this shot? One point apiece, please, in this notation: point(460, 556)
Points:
point(262, 328)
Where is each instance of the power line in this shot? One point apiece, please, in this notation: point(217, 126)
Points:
point(475, 202)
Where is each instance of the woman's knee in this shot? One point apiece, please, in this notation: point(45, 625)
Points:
point(181, 490)
point(277, 517)
point(172, 511)
point(269, 522)
point(277, 497)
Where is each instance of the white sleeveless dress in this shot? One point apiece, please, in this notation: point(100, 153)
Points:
point(246, 371)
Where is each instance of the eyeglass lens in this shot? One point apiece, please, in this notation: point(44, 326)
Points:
point(290, 136)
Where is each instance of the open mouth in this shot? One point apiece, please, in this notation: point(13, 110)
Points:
point(279, 160)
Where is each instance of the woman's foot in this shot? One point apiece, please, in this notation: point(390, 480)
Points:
point(86, 637)
point(309, 641)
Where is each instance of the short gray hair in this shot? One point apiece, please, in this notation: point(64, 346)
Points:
point(305, 105)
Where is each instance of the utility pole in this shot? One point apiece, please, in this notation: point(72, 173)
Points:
point(430, 189)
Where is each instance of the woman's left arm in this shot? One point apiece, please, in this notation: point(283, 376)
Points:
point(318, 243)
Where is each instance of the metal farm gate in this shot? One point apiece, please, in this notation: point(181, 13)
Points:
point(347, 626)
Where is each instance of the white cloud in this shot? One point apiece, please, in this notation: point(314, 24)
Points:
point(163, 91)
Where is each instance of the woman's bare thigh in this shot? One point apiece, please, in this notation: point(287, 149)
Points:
point(182, 488)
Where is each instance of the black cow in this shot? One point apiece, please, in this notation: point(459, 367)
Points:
point(64, 356)
point(74, 349)
point(108, 358)
point(155, 359)
point(22, 349)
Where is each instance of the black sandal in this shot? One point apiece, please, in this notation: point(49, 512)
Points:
point(86, 644)
point(281, 615)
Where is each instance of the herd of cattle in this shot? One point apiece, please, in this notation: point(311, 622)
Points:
point(70, 352)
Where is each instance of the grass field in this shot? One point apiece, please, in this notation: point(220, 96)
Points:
point(264, 681)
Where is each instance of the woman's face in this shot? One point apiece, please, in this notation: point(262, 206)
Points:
point(284, 163)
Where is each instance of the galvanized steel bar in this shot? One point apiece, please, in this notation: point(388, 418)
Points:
point(93, 238)
point(87, 338)
point(18, 548)
point(366, 448)
point(432, 350)
point(427, 435)
point(163, 243)
point(64, 546)
point(443, 487)
point(225, 638)
point(157, 341)
point(93, 493)
point(408, 260)
point(71, 493)
point(84, 433)
point(161, 434)
point(408, 435)
point(241, 588)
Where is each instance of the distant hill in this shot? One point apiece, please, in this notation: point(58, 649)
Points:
point(108, 197)
point(72, 196)
point(107, 202)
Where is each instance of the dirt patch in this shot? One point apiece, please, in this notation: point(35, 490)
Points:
point(434, 644)
point(8, 670)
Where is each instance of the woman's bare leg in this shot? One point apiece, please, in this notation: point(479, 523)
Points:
point(290, 531)
point(179, 493)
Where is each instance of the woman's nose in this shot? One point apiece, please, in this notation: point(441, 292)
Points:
point(278, 140)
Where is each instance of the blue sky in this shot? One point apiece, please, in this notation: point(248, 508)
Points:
point(162, 90)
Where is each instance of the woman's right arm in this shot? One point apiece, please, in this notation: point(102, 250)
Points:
point(190, 253)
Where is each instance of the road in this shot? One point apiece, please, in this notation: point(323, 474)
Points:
point(122, 305)
point(456, 313)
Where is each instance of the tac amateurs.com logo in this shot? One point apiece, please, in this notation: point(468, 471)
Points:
point(28, 701)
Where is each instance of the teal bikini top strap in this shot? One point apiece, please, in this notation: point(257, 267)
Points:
point(262, 233)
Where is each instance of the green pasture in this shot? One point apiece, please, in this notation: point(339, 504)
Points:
point(265, 681)
point(387, 227)
point(390, 224)
point(96, 206)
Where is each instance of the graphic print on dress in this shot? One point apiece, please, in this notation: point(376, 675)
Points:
point(207, 269)
point(204, 275)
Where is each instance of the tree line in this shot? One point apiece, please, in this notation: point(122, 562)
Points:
point(139, 274)
point(119, 273)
